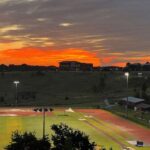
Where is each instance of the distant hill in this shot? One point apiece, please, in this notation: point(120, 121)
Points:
point(65, 88)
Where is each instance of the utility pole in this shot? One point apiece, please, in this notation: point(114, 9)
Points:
point(16, 94)
point(127, 77)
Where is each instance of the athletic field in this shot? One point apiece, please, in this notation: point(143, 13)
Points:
point(103, 127)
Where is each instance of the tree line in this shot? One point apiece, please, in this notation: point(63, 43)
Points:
point(25, 67)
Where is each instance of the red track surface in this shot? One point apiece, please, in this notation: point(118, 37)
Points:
point(137, 131)
point(20, 112)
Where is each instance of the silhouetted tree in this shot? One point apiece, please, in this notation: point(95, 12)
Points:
point(40, 73)
point(27, 141)
point(67, 138)
point(2, 99)
point(66, 98)
point(2, 73)
point(144, 87)
point(144, 91)
point(25, 67)
point(128, 64)
point(95, 89)
point(102, 83)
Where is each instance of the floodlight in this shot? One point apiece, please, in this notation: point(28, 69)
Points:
point(16, 82)
point(127, 74)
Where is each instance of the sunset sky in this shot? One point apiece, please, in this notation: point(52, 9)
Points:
point(103, 32)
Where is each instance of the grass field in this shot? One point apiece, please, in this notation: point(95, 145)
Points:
point(100, 131)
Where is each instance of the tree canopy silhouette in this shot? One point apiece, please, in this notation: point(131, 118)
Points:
point(27, 141)
point(66, 138)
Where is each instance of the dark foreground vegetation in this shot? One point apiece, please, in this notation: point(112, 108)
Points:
point(65, 138)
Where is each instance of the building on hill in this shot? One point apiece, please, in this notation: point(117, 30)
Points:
point(143, 107)
point(69, 66)
point(146, 66)
point(52, 68)
point(137, 67)
point(133, 67)
point(86, 67)
point(131, 101)
point(111, 68)
point(98, 68)
point(75, 66)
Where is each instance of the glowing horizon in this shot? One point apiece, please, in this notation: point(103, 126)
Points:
point(96, 32)
point(48, 57)
point(34, 56)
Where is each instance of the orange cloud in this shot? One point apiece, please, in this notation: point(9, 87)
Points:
point(143, 60)
point(108, 59)
point(120, 64)
point(34, 56)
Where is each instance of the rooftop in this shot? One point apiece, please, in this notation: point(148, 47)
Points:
point(133, 99)
point(143, 105)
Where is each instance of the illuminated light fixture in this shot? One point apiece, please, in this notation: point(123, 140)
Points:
point(127, 74)
point(43, 110)
point(16, 82)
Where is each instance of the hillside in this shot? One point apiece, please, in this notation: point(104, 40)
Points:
point(65, 88)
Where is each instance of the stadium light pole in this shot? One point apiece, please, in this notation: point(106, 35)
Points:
point(127, 77)
point(43, 110)
point(16, 85)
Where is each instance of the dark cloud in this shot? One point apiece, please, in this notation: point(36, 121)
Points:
point(116, 26)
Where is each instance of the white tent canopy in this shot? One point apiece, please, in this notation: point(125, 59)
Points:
point(69, 110)
point(133, 99)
